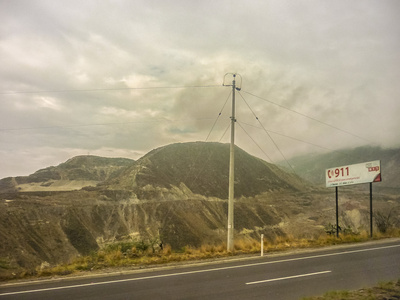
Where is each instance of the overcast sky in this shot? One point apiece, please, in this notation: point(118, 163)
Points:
point(319, 75)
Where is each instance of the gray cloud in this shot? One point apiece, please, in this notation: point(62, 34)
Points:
point(335, 62)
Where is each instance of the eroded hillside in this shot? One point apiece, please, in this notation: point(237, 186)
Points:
point(74, 174)
point(177, 194)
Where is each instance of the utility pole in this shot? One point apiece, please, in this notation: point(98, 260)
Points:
point(231, 171)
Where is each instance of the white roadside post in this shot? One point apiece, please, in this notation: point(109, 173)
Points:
point(262, 244)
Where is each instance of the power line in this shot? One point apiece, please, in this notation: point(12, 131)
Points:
point(108, 89)
point(229, 125)
point(273, 141)
point(255, 142)
point(196, 176)
point(290, 137)
point(212, 128)
point(101, 124)
point(201, 151)
point(306, 116)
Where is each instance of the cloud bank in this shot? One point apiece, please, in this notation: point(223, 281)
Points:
point(107, 78)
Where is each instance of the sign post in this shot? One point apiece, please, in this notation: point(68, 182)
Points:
point(337, 212)
point(367, 172)
point(370, 209)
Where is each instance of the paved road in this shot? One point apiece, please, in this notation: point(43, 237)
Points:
point(284, 277)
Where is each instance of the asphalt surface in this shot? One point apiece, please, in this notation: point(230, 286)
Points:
point(290, 276)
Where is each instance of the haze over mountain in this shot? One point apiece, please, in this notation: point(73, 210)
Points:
point(119, 78)
point(312, 166)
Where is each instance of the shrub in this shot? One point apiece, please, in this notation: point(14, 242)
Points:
point(167, 250)
point(142, 246)
point(4, 263)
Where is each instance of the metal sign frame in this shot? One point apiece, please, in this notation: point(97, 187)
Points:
point(367, 172)
point(353, 174)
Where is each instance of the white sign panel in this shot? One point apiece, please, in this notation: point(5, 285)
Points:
point(354, 174)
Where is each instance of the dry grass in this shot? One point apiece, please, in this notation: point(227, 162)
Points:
point(131, 253)
point(384, 290)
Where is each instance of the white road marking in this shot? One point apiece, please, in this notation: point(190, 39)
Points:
point(289, 277)
point(198, 271)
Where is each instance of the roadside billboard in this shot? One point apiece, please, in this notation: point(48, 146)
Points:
point(354, 174)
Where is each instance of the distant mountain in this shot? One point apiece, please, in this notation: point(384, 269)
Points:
point(312, 166)
point(178, 194)
point(201, 167)
point(204, 169)
point(75, 173)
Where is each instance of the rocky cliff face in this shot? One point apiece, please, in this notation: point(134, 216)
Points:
point(58, 227)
